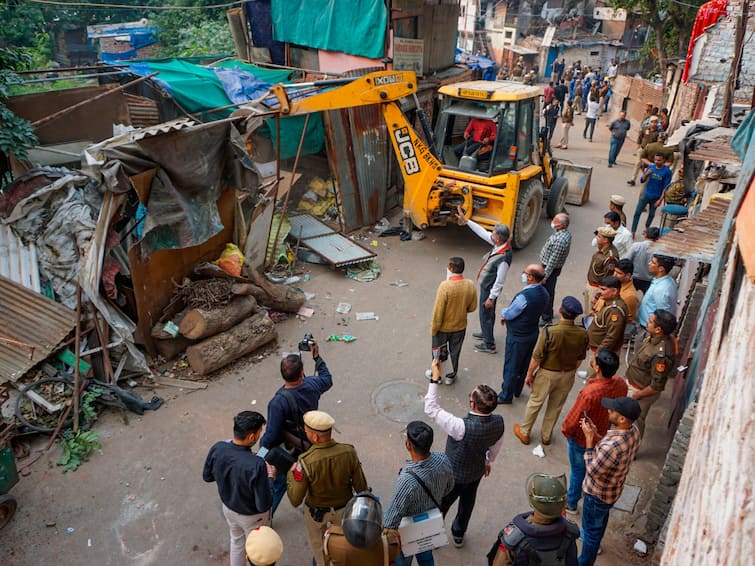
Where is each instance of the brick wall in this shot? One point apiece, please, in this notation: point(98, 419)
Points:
point(719, 44)
point(686, 103)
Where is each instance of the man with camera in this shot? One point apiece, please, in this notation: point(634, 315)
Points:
point(284, 437)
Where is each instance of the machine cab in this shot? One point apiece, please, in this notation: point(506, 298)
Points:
point(487, 128)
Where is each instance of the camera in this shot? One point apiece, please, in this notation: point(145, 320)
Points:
point(306, 343)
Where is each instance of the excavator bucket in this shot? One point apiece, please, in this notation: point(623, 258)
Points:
point(578, 177)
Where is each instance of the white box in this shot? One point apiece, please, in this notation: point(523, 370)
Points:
point(422, 532)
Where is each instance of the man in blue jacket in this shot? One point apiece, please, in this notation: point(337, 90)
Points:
point(658, 177)
point(242, 480)
point(521, 319)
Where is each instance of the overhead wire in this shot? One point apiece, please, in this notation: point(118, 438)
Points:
point(130, 7)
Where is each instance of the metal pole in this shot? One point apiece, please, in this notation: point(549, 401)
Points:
point(65, 111)
point(293, 174)
point(77, 357)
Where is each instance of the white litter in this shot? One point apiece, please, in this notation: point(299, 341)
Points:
point(343, 308)
point(538, 451)
point(641, 547)
point(367, 316)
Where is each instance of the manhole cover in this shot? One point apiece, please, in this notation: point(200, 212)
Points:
point(400, 401)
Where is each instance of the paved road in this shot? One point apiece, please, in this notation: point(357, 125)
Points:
point(142, 501)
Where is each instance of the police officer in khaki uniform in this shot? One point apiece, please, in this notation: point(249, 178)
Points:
point(650, 367)
point(263, 547)
point(602, 263)
point(361, 538)
point(327, 475)
point(607, 327)
point(616, 204)
point(560, 349)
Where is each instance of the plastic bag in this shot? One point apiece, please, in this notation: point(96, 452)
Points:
point(231, 260)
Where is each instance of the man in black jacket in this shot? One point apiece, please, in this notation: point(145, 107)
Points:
point(243, 481)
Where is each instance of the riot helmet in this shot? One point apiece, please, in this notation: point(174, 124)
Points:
point(547, 494)
point(363, 520)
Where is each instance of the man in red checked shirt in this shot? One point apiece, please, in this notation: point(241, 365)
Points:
point(479, 134)
point(587, 405)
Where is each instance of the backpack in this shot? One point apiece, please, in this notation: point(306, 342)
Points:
point(294, 437)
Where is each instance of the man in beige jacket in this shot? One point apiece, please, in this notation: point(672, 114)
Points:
point(456, 297)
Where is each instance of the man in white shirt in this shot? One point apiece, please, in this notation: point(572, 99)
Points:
point(623, 239)
point(491, 276)
point(472, 445)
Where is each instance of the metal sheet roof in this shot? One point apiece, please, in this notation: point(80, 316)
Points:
point(31, 319)
point(697, 237)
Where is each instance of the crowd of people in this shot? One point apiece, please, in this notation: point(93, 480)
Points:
point(629, 301)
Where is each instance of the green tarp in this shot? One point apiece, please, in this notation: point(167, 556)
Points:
point(357, 27)
point(198, 90)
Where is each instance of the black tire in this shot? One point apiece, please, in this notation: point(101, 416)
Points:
point(557, 197)
point(45, 424)
point(529, 205)
point(8, 506)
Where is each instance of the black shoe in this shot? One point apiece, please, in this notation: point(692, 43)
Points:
point(478, 335)
point(504, 401)
point(484, 348)
point(458, 541)
point(610, 165)
point(631, 182)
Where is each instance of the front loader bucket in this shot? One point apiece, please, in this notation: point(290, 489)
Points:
point(578, 177)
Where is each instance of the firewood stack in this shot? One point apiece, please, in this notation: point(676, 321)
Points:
point(219, 318)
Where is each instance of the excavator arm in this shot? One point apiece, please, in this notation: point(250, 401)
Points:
point(419, 167)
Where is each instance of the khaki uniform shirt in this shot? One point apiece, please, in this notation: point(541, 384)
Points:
point(607, 328)
point(339, 552)
point(629, 295)
point(602, 264)
point(658, 147)
point(561, 346)
point(652, 363)
point(328, 474)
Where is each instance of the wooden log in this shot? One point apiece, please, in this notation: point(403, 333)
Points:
point(201, 323)
point(221, 349)
point(279, 297)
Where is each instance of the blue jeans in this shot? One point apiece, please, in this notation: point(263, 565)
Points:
point(613, 151)
point(589, 125)
point(577, 466)
point(423, 559)
point(594, 522)
point(487, 319)
point(518, 354)
point(279, 490)
point(644, 201)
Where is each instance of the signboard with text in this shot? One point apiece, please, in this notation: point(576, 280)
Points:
point(408, 54)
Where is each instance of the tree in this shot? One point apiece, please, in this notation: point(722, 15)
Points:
point(16, 134)
point(671, 22)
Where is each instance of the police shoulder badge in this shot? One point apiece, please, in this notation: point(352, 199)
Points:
point(614, 317)
point(660, 367)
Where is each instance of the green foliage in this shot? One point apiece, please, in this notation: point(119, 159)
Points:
point(87, 410)
point(16, 134)
point(186, 34)
point(76, 448)
point(22, 22)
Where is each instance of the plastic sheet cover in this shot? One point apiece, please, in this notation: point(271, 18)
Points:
point(357, 27)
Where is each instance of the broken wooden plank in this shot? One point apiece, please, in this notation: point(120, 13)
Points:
point(182, 383)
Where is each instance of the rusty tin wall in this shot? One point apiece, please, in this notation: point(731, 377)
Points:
point(33, 320)
point(359, 154)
